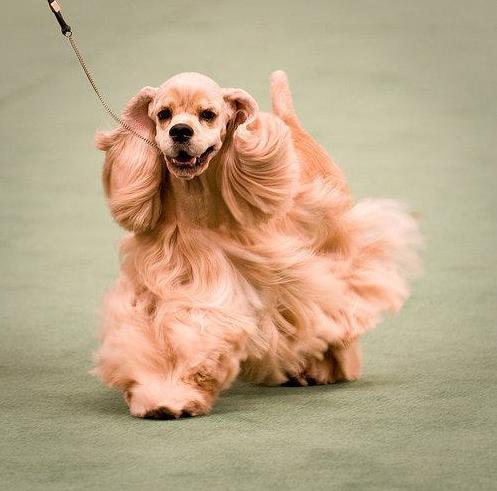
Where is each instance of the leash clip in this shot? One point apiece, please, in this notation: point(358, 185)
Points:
point(57, 11)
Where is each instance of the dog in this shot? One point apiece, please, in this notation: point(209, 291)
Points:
point(247, 256)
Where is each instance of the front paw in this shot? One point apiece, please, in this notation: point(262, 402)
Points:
point(163, 399)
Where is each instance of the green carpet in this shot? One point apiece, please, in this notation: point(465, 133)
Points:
point(403, 94)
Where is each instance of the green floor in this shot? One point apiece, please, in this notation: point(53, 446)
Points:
point(404, 96)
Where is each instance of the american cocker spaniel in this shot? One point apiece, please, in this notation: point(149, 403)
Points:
point(247, 255)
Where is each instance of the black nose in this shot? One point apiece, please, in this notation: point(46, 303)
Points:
point(181, 133)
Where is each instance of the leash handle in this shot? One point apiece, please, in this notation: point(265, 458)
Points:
point(57, 11)
point(66, 31)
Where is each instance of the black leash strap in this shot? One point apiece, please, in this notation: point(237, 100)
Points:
point(67, 32)
point(57, 11)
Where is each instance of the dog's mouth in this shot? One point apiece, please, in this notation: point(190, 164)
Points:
point(185, 161)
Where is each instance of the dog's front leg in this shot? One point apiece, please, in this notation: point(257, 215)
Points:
point(199, 354)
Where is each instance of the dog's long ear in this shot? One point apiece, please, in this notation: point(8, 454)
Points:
point(259, 169)
point(243, 107)
point(133, 169)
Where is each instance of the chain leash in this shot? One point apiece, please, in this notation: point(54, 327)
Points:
point(67, 32)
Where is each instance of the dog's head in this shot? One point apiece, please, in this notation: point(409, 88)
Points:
point(188, 117)
point(191, 119)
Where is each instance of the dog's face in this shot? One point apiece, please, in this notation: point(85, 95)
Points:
point(192, 115)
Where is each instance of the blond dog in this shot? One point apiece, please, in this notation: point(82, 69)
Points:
point(247, 255)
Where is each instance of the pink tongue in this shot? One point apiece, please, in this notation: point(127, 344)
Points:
point(183, 160)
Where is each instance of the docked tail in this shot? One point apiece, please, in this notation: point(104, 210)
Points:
point(281, 98)
point(315, 161)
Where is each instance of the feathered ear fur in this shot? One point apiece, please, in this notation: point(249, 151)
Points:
point(133, 170)
point(243, 106)
point(260, 167)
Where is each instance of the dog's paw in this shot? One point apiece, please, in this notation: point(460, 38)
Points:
point(165, 412)
point(157, 399)
point(161, 412)
point(340, 363)
point(314, 372)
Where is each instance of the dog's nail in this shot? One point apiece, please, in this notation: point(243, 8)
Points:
point(162, 412)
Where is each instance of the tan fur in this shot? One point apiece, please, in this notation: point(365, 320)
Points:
point(255, 262)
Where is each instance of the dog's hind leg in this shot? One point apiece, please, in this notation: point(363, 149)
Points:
point(314, 159)
point(340, 363)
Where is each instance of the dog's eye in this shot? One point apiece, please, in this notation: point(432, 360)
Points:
point(207, 115)
point(164, 114)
